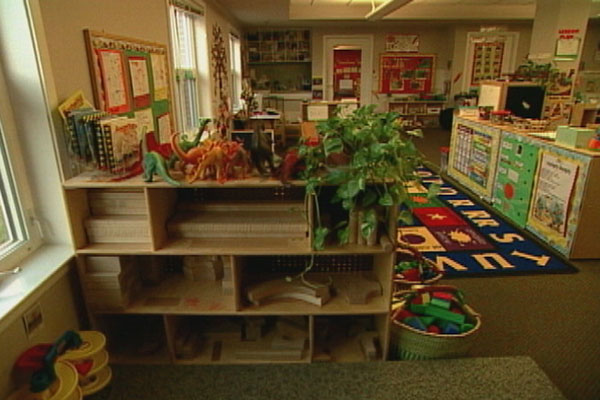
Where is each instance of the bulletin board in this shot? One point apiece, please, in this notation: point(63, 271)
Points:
point(130, 77)
point(406, 73)
point(487, 61)
point(346, 74)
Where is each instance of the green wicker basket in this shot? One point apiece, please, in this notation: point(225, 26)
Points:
point(407, 343)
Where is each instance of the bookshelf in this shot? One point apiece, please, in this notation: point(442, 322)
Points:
point(418, 113)
point(170, 291)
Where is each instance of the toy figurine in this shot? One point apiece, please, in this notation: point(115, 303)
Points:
point(154, 163)
point(261, 153)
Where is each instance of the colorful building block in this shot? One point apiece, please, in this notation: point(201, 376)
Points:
point(443, 314)
point(415, 322)
point(451, 329)
point(445, 304)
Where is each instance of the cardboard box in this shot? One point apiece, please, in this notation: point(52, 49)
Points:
point(574, 137)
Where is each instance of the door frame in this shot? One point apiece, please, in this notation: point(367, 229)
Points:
point(365, 43)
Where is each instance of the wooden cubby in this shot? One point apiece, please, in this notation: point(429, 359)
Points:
point(204, 284)
point(418, 113)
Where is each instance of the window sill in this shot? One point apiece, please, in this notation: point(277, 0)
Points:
point(38, 271)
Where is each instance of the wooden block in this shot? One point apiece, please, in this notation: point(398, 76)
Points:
point(357, 287)
point(291, 328)
point(269, 354)
point(107, 264)
point(367, 344)
point(117, 229)
point(196, 268)
point(280, 342)
point(280, 289)
point(109, 202)
point(227, 288)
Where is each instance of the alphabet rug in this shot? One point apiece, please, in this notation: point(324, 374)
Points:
point(466, 239)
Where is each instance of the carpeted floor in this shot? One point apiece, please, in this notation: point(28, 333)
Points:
point(469, 378)
point(553, 319)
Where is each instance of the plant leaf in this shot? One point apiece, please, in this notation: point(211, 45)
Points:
point(333, 145)
point(405, 217)
point(368, 223)
point(386, 200)
point(336, 176)
point(433, 191)
point(343, 235)
point(320, 234)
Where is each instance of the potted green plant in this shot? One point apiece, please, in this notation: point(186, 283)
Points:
point(369, 158)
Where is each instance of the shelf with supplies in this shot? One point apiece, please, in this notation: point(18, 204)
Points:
point(213, 272)
point(418, 113)
point(278, 45)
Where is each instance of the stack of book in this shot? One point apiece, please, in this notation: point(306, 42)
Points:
point(117, 216)
point(107, 142)
point(110, 282)
point(240, 220)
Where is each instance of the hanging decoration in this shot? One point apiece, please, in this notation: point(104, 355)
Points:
point(219, 64)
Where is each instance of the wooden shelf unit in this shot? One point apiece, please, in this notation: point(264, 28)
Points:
point(163, 297)
point(418, 113)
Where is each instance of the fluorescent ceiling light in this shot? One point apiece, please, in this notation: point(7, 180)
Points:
point(384, 9)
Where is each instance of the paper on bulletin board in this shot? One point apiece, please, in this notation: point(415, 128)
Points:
point(346, 84)
point(140, 85)
point(164, 128)
point(317, 112)
point(567, 47)
point(159, 75)
point(113, 81)
point(145, 120)
point(556, 178)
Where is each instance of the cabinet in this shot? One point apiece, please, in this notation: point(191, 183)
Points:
point(278, 45)
point(508, 168)
point(417, 113)
point(279, 60)
point(196, 274)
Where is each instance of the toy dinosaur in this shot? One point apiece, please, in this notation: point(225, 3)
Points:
point(261, 153)
point(154, 163)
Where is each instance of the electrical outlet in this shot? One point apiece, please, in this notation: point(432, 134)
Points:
point(33, 320)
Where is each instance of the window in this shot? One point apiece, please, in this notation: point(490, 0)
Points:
point(236, 72)
point(190, 54)
point(17, 238)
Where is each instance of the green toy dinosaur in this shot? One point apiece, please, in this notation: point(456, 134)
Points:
point(154, 163)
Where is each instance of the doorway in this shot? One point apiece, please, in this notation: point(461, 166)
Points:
point(348, 67)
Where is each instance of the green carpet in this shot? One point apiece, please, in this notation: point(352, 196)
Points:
point(467, 378)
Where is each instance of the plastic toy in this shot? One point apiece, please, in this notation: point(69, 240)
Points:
point(74, 366)
point(154, 163)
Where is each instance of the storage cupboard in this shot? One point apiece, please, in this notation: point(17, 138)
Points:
point(209, 273)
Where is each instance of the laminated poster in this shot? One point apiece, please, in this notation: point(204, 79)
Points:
point(556, 179)
point(145, 121)
point(164, 128)
point(113, 80)
point(140, 86)
point(159, 74)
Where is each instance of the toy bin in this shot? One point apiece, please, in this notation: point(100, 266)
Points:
point(431, 336)
point(414, 269)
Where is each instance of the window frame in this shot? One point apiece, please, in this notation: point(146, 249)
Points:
point(17, 191)
point(235, 70)
point(200, 69)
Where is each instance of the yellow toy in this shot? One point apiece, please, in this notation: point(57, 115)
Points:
point(76, 365)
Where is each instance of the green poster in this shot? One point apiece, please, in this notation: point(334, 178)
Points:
point(514, 177)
